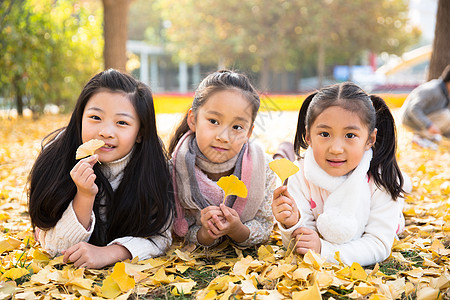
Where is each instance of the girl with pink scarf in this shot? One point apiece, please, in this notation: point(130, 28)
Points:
point(213, 141)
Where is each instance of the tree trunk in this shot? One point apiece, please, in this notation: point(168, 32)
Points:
point(18, 92)
point(115, 14)
point(440, 57)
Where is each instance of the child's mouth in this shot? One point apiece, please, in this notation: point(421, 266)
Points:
point(335, 163)
point(108, 147)
point(219, 149)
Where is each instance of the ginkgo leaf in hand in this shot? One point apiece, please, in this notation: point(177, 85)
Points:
point(231, 185)
point(88, 148)
point(283, 168)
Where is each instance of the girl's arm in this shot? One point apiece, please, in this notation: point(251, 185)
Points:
point(77, 222)
point(67, 232)
point(146, 248)
point(86, 255)
point(376, 242)
point(298, 189)
point(84, 178)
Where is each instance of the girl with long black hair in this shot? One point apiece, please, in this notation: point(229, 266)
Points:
point(117, 203)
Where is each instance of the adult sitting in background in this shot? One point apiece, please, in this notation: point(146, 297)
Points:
point(426, 110)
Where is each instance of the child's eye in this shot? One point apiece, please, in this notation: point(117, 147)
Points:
point(212, 121)
point(94, 117)
point(122, 123)
point(237, 127)
point(324, 134)
point(350, 135)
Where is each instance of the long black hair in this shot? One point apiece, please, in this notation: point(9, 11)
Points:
point(142, 205)
point(373, 112)
point(218, 81)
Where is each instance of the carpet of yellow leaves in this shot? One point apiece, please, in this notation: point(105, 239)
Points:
point(419, 267)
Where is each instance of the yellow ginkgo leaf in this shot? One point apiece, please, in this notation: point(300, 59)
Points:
point(283, 168)
point(14, 273)
point(122, 279)
point(183, 287)
point(110, 289)
point(312, 292)
point(357, 272)
point(88, 148)
point(231, 185)
point(8, 244)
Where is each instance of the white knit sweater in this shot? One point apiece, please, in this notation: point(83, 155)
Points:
point(68, 231)
point(378, 233)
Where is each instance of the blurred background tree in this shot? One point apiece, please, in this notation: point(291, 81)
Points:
point(440, 56)
point(115, 18)
point(257, 34)
point(48, 50)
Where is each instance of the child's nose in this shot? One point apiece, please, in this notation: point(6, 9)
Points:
point(106, 131)
point(223, 135)
point(336, 147)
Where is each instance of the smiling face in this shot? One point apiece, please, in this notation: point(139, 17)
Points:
point(222, 125)
point(339, 139)
point(110, 117)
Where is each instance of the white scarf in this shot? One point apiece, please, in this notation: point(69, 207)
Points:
point(346, 210)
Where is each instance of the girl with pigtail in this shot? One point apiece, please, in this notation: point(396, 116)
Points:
point(347, 196)
point(213, 141)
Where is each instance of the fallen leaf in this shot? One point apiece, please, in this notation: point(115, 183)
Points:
point(122, 279)
point(110, 289)
point(231, 185)
point(357, 272)
point(312, 293)
point(427, 293)
point(8, 244)
point(14, 273)
point(365, 289)
point(184, 287)
point(88, 148)
point(283, 168)
point(7, 289)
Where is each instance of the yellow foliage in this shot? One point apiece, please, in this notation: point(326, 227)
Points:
point(122, 279)
point(231, 185)
point(270, 273)
point(283, 168)
point(14, 273)
point(110, 289)
point(88, 148)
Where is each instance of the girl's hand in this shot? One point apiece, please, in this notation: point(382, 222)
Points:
point(84, 177)
point(306, 239)
point(207, 214)
point(231, 225)
point(284, 208)
point(205, 235)
point(85, 255)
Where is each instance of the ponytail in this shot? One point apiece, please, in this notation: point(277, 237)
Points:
point(383, 167)
point(179, 132)
point(300, 135)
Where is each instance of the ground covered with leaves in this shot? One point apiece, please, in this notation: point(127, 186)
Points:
point(419, 267)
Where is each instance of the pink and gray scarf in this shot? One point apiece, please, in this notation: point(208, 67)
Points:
point(195, 191)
